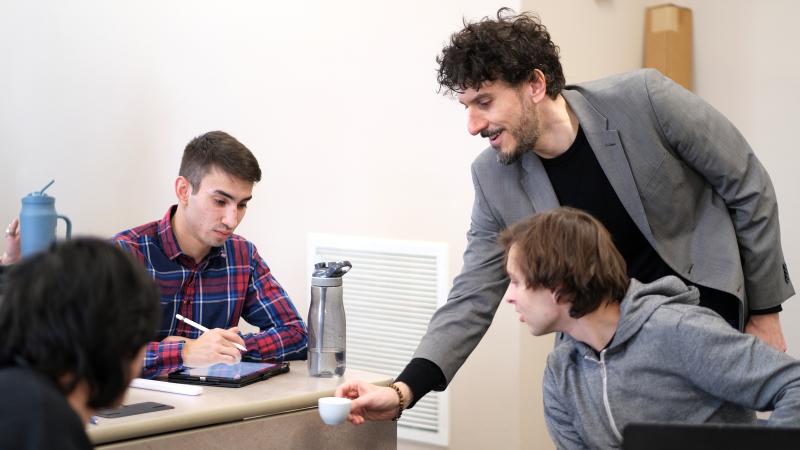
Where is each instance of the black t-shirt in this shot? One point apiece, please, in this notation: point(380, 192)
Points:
point(579, 182)
point(34, 414)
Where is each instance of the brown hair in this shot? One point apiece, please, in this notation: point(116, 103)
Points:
point(570, 252)
point(218, 149)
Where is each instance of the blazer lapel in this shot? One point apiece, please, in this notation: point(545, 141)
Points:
point(609, 152)
point(536, 184)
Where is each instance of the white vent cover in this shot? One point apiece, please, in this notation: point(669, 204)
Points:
point(390, 295)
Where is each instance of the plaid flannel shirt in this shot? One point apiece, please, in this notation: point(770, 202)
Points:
point(232, 281)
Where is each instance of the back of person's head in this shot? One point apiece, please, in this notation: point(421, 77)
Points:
point(78, 312)
point(508, 48)
point(570, 252)
point(221, 151)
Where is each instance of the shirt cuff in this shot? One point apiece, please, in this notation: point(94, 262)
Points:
point(422, 376)
point(170, 356)
point(759, 312)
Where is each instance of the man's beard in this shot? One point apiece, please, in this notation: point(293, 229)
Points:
point(526, 133)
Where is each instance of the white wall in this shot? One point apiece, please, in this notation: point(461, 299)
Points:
point(337, 100)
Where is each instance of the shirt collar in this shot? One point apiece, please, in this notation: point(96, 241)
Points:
point(170, 244)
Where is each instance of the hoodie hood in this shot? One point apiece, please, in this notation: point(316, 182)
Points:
point(642, 300)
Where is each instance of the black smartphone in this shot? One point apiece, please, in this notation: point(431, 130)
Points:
point(132, 409)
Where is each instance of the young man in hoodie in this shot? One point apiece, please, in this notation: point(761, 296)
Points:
point(632, 352)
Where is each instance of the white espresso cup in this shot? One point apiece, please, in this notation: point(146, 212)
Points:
point(333, 410)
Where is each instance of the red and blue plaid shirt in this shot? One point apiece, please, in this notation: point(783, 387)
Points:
point(232, 281)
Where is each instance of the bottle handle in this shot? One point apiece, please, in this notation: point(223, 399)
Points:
point(69, 225)
point(338, 269)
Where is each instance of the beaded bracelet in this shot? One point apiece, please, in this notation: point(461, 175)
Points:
point(401, 406)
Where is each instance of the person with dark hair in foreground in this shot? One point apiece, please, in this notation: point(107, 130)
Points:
point(633, 352)
point(207, 273)
point(74, 322)
point(673, 181)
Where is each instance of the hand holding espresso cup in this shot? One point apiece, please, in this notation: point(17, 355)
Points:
point(371, 402)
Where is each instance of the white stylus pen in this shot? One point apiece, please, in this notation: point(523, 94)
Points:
point(204, 329)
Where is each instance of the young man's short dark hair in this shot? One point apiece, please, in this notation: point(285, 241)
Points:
point(78, 312)
point(569, 251)
point(218, 149)
point(508, 48)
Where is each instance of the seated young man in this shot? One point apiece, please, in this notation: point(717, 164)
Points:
point(632, 352)
point(75, 320)
point(208, 274)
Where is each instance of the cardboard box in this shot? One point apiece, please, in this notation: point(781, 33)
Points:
point(668, 42)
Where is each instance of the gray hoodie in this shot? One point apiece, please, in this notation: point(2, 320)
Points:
point(669, 361)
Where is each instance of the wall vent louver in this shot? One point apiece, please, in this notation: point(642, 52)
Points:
point(389, 296)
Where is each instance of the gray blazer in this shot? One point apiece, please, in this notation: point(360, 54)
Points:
point(684, 173)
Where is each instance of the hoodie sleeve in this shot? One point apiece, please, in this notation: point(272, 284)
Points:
point(738, 367)
point(559, 420)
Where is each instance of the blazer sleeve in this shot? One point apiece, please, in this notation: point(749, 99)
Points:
point(457, 327)
point(712, 146)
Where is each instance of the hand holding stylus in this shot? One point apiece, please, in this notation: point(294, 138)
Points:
point(213, 346)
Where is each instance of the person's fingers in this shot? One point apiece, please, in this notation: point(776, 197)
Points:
point(228, 336)
point(356, 417)
point(231, 336)
point(228, 359)
point(342, 391)
point(349, 390)
point(228, 349)
point(224, 359)
point(360, 404)
point(11, 229)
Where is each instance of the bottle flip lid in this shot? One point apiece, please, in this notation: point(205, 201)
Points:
point(332, 269)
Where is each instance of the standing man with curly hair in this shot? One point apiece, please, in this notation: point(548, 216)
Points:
point(674, 182)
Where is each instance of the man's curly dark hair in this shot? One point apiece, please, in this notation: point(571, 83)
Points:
point(508, 48)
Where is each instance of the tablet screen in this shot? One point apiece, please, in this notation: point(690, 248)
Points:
point(233, 371)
